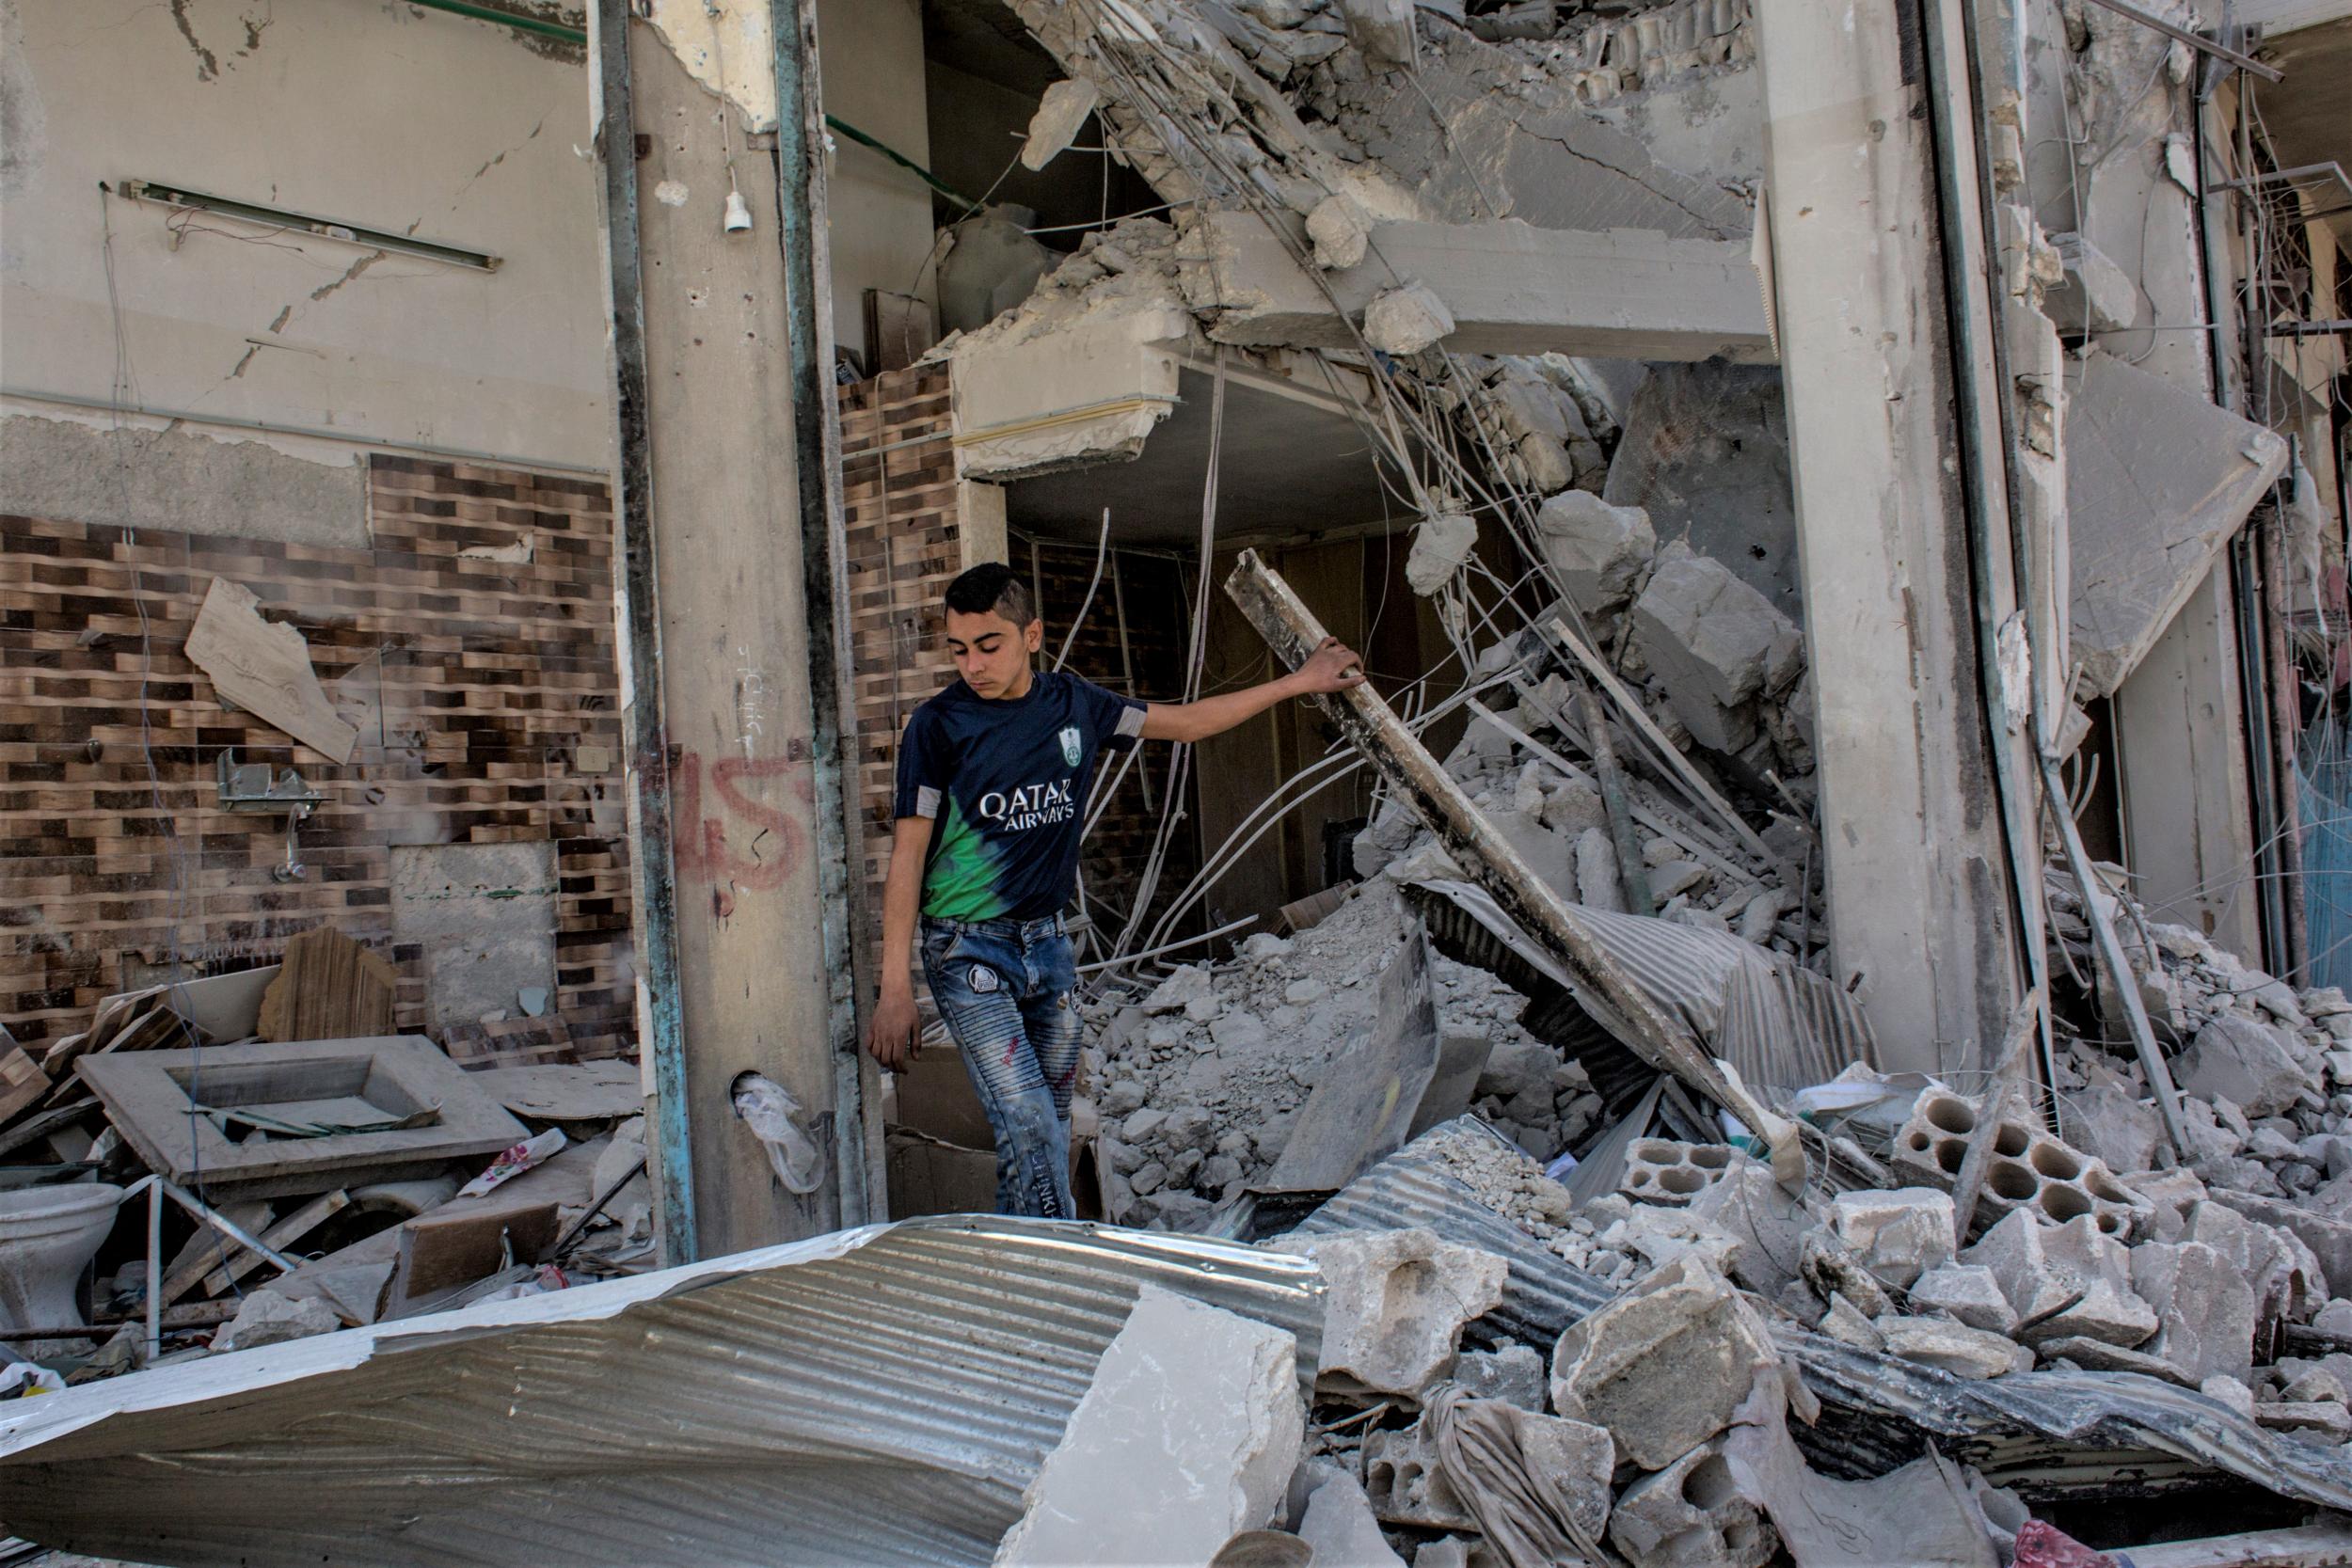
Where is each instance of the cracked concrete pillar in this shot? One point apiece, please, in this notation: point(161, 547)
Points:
point(1910, 821)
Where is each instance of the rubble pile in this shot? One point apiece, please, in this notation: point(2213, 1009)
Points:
point(311, 1169)
point(1198, 1083)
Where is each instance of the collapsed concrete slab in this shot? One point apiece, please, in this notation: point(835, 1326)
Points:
point(2157, 480)
point(1394, 1306)
point(1187, 1435)
point(1507, 287)
point(1662, 1368)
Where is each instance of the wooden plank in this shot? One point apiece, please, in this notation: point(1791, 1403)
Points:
point(264, 667)
point(21, 1080)
point(1649, 1031)
point(201, 1259)
point(328, 988)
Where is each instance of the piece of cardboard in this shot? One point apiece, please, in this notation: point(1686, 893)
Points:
point(929, 1177)
point(936, 1098)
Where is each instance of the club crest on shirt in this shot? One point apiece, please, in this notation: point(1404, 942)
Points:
point(1070, 751)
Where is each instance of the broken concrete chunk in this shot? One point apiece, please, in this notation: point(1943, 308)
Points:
point(2205, 1309)
point(1055, 126)
point(2097, 295)
point(1512, 1373)
point(1440, 544)
point(1405, 320)
point(1846, 1323)
point(1597, 876)
point(1599, 551)
point(1769, 1222)
point(267, 1318)
point(1188, 984)
point(1187, 1435)
point(1340, 1527)
point(1968, 1292)
point(1340, 231)
point(1394, 1304)
point(1408, 1485)
point(2243, 1060)
point(1899, 1235)
point(1691, 1514)
point(2100, 1266)
point(1662, 1368)
point(1956, 1348)
point(1713, 643)
point(1381, 31)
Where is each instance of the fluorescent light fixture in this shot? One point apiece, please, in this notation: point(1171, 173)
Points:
point(283, 218)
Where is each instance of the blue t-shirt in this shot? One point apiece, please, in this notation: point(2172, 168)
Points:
point(1005, 783)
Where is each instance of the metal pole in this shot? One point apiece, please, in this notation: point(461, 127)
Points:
point(154, 1272)
point(824, 563)
point(660, 1022)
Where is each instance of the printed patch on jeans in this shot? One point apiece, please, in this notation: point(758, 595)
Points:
point(981, 979)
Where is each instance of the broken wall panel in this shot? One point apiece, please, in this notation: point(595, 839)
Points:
point(487, 698)
point(2157, 480)
point(877, 1395)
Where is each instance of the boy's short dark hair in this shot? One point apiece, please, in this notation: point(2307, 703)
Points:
point(992, 586)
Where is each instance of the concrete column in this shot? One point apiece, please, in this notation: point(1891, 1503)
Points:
point(728, 747)
point(1910, 822)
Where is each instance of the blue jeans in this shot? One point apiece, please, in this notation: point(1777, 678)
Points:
point(1008, 992)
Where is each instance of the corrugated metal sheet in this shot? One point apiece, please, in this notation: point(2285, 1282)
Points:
point(1782, 1026)
point(881, 1395)
point(2068, 1428)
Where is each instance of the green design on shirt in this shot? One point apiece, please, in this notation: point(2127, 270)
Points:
point(959, 880)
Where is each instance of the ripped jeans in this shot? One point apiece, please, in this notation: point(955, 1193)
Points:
point(1006, 990)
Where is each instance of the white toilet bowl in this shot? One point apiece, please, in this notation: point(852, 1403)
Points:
point(47, 1234)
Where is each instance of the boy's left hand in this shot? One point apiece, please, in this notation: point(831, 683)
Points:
point(1332, 667)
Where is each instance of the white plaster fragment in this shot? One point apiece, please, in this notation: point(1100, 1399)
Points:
point(1188, 1435)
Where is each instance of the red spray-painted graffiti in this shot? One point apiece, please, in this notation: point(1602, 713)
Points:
point(754, 835)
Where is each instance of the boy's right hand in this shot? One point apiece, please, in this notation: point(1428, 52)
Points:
point(895, 1035)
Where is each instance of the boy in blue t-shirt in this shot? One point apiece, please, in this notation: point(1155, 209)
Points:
point(992, 794)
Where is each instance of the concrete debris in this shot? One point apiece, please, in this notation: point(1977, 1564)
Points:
point(1691, 1514)
point(2205, 1309)
point(1665, 1368)
point(1968, 1292)
point(1441, 543)
point(1953, 1347)
point(2243, 1060)
point(1339, 1525)
point(1599, 551)
point(1513, 1374)
point(1405, 320)
point(1187, 1435)
point(1714, 644)
point(1899, 1235)
point(267, 1318)
point(2157, 480)
point(1394, 1304)
point(1407, 1483)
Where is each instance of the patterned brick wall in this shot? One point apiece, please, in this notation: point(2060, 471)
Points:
point(484, 690)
